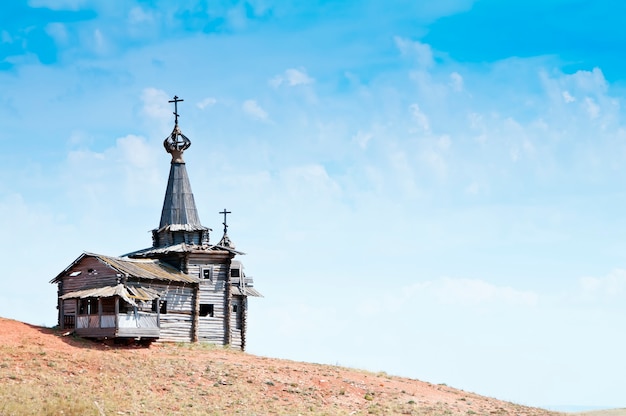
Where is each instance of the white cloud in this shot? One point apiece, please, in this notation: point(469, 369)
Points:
point(41, 223)
point(254, 110)
point(421, 52)
point(362, 139)
point(611, 286)
point(155, 104)
point(291, 77)
point(456, 82)
point(593, 109)
point(444, 142)
point(472, 292)
point(567, 97)
point(139, 15)
point(58, 32)
point(589, 81)
point(59, 4)
point(136, 151)
point(129, 167)
point(207, 102)
point(311, 181)
point(473, 188)
point(403, 173)
point(436, 162)
point(420, 117)
point(99, 41)
point(446, 292)
point(236, 17)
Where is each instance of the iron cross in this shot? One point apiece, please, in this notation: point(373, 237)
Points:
point(225, 213)
point(176, 100)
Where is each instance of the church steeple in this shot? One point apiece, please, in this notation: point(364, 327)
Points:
point(179, 217)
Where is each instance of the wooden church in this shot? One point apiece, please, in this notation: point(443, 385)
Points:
point(183, 288)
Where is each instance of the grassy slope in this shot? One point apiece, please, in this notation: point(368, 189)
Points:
point(42, 372)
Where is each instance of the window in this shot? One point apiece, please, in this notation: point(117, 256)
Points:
point(237, 310)
point(206, 309)
point(163, 306)
point(234, 272)
point(88, 306)
point(108, 305)
point(207, 273)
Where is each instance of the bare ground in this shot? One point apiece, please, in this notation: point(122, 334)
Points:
point(43, 372)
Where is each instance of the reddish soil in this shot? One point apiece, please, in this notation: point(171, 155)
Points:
point(273, 386)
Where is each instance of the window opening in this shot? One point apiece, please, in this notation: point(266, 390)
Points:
point(206, 309)
point(207, 273)
point(108, 305)
point(88, 306)
point(162, 308)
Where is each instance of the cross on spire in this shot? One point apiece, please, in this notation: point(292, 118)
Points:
point(176, 100)
point(225, 225)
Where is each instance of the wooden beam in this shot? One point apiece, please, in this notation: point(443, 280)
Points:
point(196, 313)
point(228, 336)
point(99, 312)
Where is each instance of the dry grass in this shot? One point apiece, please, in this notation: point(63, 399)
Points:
point(46, 374)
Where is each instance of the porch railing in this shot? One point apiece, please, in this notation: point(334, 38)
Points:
point(132, 320)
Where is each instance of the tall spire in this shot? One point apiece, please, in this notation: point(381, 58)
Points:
point(179, 217)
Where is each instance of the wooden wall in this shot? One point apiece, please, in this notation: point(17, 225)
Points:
point(101, 275)
point(177, 324)
point(212, 292)
point(236, 322)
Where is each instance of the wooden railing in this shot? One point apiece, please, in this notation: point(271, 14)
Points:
point(69, 321)
point(138, 320)
point(132, 320)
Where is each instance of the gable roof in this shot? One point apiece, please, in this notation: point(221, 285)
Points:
point(138, 268)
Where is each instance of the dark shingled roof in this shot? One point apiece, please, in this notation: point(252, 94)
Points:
point(179, 207)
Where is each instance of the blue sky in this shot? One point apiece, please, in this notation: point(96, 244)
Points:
point(432, 189)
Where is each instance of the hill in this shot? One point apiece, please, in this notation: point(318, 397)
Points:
point(43, 372)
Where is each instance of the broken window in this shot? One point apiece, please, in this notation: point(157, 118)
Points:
point(206, 309)
point(161, 304)
point(207, 273)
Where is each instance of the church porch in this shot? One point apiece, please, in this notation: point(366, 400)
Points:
point(110, 313)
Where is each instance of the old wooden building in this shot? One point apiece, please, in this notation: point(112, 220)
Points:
point(182, 288)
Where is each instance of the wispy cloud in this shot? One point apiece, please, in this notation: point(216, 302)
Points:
point(155, 104)
point(421, 52)
point(291, 78)
point(254, 110)
point(139, 15)
point(207, 102)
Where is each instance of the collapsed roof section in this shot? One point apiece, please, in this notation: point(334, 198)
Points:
point(123, 267)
